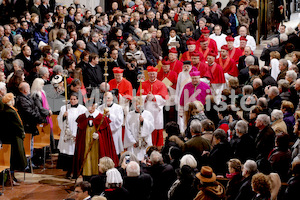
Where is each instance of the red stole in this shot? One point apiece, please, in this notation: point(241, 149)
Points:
point(231, 55)
point(224, 66)
point(205, 52)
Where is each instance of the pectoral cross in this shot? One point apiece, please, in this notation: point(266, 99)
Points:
point(105, 60)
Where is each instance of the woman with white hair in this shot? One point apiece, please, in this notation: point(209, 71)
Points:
point(114, 186)
point(278, 125)
point(18, 39)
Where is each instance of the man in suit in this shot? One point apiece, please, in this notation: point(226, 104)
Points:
point(82, 191)
point(93, 75)
point(196, 145)
point(94, 46)
point(242, 63)
point(150, 21)
point(26, 57)
point(44, 9)
point(244, 73)
point(36, 8)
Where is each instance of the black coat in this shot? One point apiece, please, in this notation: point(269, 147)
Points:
point(243, 75)
point(245, 148)
point(264, 142)
point(146, 24)
point(98, 48)
point(146, 48)
point(242, 63)
point(140, 187)
point(267, 79)
point(259, 92)
point(97, 184)
point(29, 113)
point(275, 103)
point(245, 191)
point(28, 64)
point(219, 157)
point(280, 161)
point(92, 76)
point(39, 103)
point(116, 194)
point(233, 186)
point(292, 191)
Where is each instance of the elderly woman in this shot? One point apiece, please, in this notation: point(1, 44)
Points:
point(114, 186)
point(261, 186)
point(243, 16)
point(7, 58)
point(291, 77)
point(287, 108)
point(278, 124)
point(283, 87)
point(14, 135)
point(18, 39)
point(235, 178)
point(146, 48)
point(57, 70)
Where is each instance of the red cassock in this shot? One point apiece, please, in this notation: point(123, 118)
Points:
point(204, 53)
point(212, 44)
point(243, 51)
point(186, 56)
point(235, 54)
point(204, 70)
point(176, 66)
point(218, 74)
point(228, 66)
point(124, 87)
point(156, 88)
point(172, 76)
point(106, 142)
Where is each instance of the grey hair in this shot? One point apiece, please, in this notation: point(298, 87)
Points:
point(277, 114)
point(19, 62)
point(265, 119)
point(133, 169)
point(196, 126)
point(257, 81)
point(283, 37)
point(85, 30)
point(189, 160)
point(79, 42)
point(274, 90)
point(283, 84)
point(156, 158)
point(43, 71)
point(146, 36)
point(275, 41)
point(250, 166)
point(16, 37)
point(292, 74)
point(262, 102)
point(247, 90)
point(203, 20)
point(249, 60)
point(57, 69)
point(242, 127)
point(284, 62)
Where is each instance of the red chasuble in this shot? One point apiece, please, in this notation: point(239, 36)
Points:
point(176, 66)
point(204, 70)
point(235, 54)
point(124, 87)
point(172, 76)
point(218, 74)
point(186, 56)
point(106, 142)
point(228, 66)
point(156, 88)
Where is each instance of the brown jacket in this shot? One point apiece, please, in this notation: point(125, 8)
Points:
point(212, 192)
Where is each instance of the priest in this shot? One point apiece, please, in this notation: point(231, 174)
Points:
point(211, 42)
point(93, 141)
point(138, 128)
point(155, 94)
point(116, 116)
point(202, 67)
point(203, 48)
point(234, 53)
point(191, 45)
point(175, 65)
point(243, 43)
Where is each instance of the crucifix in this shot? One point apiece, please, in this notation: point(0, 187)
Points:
point(105, 60)
point(141, 140)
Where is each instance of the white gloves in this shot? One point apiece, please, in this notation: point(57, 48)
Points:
point(96, 136)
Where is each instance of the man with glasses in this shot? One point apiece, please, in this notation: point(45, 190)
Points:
point(82, 190)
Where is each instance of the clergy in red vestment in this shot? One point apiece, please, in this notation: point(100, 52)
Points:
point(211, 42)
point(155, 94)
point(202, 67)
point(175, 65)
point(195, 90)
point(101, 141)
point(218, 80)
point(229, 67)
point(243, 43)
point(166, 72)
point(203, 48)
point(191, 45)
point(234, 53)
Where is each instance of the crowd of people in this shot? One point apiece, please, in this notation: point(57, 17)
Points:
point(115, 81)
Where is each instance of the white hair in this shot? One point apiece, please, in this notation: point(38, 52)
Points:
point(156, 158)
point(274, 90)
point(283, 37)
point(265, 119)
point(292, 74)
point(85, 30)
point(133, 169)
point(275, 41)
point(43, 71)
point(250, 166)
point(189, 160)
point(196, 126)
point(257, 81)
point(277, 114)
point(249, 60)
point(242, 127)
point(37, 87)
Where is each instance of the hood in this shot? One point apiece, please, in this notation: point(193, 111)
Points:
point(139, 43)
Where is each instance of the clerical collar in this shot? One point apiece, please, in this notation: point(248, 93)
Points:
point(94, 114)
point(139, 112)
point(74, 106)
point(152, 81)
point(110, 105)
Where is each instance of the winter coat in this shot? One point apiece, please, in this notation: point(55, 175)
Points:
point(181, 26)
point(280, 161)
point(244, 20)
point(156, 48)
point(279, 126)
point(146, 48)
point(211, 191)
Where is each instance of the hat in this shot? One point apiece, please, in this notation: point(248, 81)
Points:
point(187, 62)
point(194, 72)
point(205, 30)
point(212, 53)
point(225, 47)
point(191, 41)
point(166, 62)
point(39, 26)
point(56, 79)
point(243, 38)
point(117, 70)
point(206, 175)
point(7, 98)
point(151, 69)
point(229, 38)
point(113, 176)
point(173, 50)
point(203, 38)
point(195, 53)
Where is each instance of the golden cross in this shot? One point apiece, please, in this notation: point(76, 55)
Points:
point(105, 60)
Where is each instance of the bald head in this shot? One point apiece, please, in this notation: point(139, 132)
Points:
point(24, 88)
point(109, 98)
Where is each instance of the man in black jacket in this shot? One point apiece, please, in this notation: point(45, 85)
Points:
point(242, 62)
point(93, 75)
point(94, 46)
point(266, 78)
point(26, 57)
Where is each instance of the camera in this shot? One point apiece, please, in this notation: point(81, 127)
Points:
point(127, 159)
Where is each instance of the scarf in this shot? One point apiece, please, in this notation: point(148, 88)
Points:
point(46, 106)
point(236, 20)
point(230, 176)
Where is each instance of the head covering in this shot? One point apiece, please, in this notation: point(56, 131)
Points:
point(166, 62)
point(39, 26)
point(229, 38)
point(194, 72)
point(113, 176)
point(187, 62)
point(203, 38)
point(205, 30)
point(191, 41)
point(195, 53)
point(206, 175)
point(225, 47)
point(173, 50)
point(8, 97)
point(151, 69)
point(212, 53)
point(243, 38)
point(118, 70)
point(56, 79)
